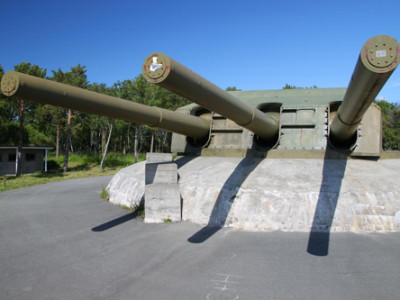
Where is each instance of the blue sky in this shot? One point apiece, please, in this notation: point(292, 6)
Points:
point(249, 44)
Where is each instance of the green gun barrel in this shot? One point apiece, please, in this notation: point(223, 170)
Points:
point(160, 69)
point(59, 94)
point(378, 59)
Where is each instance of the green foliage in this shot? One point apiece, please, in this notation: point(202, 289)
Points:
point(167, 220)
point(35, 137)
point(82, 166)
point(30, 69)
point(113, 160)
point(391, 125)
point(139, 210)
point(8, 133)
point(232, 88)
point(123, 206)
point(53, 165)
point(104, 194)
point(291, 87)
point(32, 136)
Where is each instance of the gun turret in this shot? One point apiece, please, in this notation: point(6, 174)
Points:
point(59, 94)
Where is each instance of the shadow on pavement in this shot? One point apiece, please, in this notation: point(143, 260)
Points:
point(115, 222)
point(332, 177)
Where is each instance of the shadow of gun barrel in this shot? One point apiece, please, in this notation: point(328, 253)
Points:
point(378, 59)
point(160, 69)
point(59, 94)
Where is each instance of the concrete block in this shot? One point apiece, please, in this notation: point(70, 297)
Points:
point(158, 157)
point(162, 201)
point(164, 172)
point(162, 195)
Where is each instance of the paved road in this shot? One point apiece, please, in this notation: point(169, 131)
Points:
point(61, 241)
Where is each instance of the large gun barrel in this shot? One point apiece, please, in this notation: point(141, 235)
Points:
point(160, 69)
point(58, 94)
point(378, 59)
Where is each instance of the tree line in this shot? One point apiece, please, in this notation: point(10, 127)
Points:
point(25, 122)
point(390, 124)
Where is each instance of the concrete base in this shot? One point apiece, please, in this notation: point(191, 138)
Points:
point(162, 196)
point(286, 194)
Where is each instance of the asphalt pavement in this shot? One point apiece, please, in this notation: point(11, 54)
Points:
point(61, 241)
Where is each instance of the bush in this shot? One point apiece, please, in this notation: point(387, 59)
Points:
point(53, 165)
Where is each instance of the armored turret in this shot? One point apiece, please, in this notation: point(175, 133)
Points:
point(243, 123)
point(302, 119)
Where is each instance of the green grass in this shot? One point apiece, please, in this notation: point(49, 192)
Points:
point(127, 207)
point(167, 220)
point(137, 210)
point(104, 194)
point(79, 166)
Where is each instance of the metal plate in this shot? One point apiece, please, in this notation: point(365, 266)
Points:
point(156, 67)
point(381, 52)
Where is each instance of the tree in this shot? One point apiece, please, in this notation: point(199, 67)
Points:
point(291, 87)
point(232, 88)
point(76, 77)
point(111, 125)
point(390, 124)
point(25, 108)
point(137, 90)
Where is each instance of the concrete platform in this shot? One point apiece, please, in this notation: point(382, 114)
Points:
point(299, 195)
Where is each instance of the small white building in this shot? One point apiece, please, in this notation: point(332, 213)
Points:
point(34, 158)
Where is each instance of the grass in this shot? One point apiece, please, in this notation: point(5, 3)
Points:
point(126, 207)
point(167, 220)
point(79, 166)
point(104, 194)
point(137, 210)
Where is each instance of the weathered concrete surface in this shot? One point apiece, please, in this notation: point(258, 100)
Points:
point(127, 186)
point(162, 202)
point(162, 195)
point(288, 194)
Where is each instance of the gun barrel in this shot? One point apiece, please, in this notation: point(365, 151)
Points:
point(59, 94)
point(378, 59)
point(160, 69)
